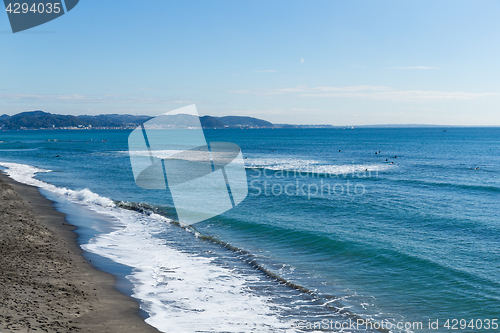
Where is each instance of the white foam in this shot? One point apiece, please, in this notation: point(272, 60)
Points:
point(162, 154)
point(181, 292)
point(25, 174)
point(25, 149)
point(313, 166)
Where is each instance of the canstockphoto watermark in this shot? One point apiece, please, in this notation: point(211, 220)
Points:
point(26, 14)
point(451, 324)
point(307, 184)
point(204, 179)
point(357, 324)
point(307, 189)
point(358, 174)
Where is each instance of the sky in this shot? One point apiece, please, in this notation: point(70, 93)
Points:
point(285, 61)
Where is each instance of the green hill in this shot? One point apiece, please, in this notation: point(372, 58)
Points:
point(40, 119)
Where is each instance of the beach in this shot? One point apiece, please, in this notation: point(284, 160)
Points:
point(45, 283)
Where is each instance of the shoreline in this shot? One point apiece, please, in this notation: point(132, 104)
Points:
point(46, 285)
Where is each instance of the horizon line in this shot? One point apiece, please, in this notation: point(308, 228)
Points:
point(278, 124)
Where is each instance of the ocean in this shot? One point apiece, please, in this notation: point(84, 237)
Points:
point(343, 230)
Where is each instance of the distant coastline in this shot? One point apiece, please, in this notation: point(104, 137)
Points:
point(40, 120)
point(36, 120)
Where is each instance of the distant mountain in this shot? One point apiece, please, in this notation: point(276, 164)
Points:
point(211, 122)
point(40, 119)
point(237, 121)
point(45, 120)
point(120, 119)
point(187, 121)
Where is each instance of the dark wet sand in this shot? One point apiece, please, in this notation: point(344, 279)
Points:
point(45, 283)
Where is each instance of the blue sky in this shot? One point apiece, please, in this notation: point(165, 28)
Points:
point(307, 62)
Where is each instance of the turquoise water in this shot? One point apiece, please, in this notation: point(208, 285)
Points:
point(409, 234)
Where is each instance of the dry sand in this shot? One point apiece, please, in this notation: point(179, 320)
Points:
point(45, 283)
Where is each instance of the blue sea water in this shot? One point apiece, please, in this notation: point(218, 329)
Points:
point(395, 226)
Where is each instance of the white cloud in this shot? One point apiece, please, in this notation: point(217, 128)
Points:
point(183, 102)
point(266, 71)
point(266, 92)
point(369, 92)
point(87, 99)
point(353, 88)
point(302, 60)
point(417, 67)
point(43, 98)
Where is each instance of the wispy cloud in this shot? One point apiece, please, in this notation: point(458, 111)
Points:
point(183, 102)
point(417, 67)
point(302, 60)
point(43, 97)
point(87, 99)
point(266, 71)
point(368, 92)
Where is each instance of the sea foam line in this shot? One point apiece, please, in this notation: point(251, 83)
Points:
point(25, 174)
point(292, 165)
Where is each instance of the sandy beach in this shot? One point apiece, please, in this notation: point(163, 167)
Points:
point(45, 283)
